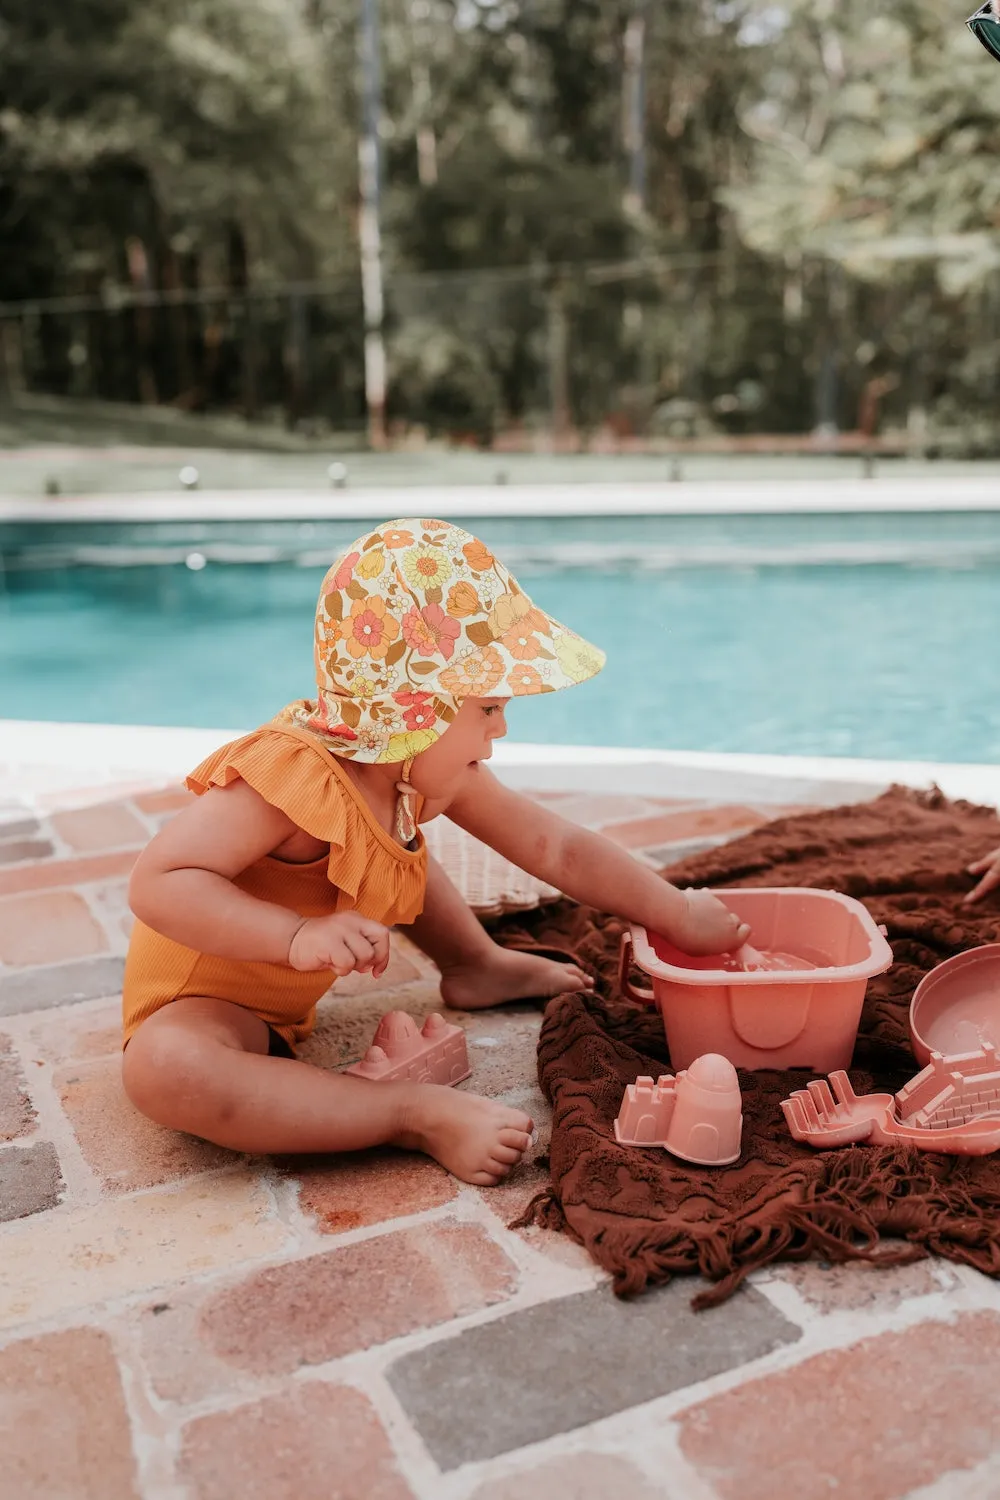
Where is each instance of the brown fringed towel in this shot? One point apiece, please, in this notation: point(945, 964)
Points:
point(647, 1217)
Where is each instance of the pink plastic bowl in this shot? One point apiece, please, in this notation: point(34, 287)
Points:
point(804, 1018)
point(956, 1007)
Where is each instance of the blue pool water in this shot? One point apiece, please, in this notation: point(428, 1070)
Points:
point(864, 636)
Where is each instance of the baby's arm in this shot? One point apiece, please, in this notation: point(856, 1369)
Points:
point(591, 869)
point(182, 886)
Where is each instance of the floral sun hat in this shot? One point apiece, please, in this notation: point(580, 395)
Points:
point(416, 616)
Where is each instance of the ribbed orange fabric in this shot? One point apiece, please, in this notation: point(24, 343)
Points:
point(366, 870)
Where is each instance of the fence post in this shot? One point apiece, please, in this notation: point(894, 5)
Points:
point(558, 328)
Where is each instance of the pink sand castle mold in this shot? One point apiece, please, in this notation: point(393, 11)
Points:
point(647, 1107)
point(793, 1000)
point(401, 1051)
point(696, 1116)
point(953, 1106)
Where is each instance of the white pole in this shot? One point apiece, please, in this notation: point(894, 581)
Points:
point(369, 227)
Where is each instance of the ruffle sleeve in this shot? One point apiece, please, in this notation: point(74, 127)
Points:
point(291, 771)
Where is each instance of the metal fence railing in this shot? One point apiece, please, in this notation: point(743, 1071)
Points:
point(680, 349)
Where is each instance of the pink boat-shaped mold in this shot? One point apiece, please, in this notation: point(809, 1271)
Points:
point(952, 1106)
point(400, 1050)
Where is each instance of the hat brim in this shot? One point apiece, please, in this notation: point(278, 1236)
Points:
point(535, 654)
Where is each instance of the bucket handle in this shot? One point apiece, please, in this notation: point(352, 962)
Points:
point(641, 995)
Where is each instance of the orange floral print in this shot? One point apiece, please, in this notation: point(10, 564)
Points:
point(478, 556)
point(369, 631)
point(525, 680)
point(474, 675)
point(429, 631)
point(463, 601)
point(522, 644)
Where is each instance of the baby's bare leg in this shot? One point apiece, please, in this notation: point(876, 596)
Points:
point(475, 971)
point(201, 1066)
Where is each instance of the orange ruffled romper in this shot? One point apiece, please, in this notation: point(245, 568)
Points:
point(366, 871)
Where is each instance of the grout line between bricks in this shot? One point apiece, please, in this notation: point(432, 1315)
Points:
point(82, 1186)
point(153, 1441)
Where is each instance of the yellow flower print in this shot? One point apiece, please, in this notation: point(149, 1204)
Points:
point(411, 743)
point(576, 657)
point(369, 631)
point(367, 687)
point(474, 675)
point(427, 568)
point(372, 564)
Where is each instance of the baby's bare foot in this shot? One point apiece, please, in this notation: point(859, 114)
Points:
point(477, 1139)
point(506, 975)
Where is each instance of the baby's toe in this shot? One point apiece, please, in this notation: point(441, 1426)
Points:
point(500, 1168)
point(486, 1178)
point(516, 1140)
point(506, 1155)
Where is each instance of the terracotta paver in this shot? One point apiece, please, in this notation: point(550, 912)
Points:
point(675, 827)
point(110, 825)
point(66, 872)
point(124, 1149)
point(123, 1246)
point(65, 1428)
point(228, 1335)
point(879, 1418)
point(47, 928)
point(320, 1442)
point(311, 1311)
point(164, 799)
point(862, 1285)
point(370, 1188)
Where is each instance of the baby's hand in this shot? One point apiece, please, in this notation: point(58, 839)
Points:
point(346, 943)
point(989, 868)
point(708, 926)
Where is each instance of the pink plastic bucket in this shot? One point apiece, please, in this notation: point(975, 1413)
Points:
point(804, 1018)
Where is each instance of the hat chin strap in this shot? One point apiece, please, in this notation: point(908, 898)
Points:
point(406, 821)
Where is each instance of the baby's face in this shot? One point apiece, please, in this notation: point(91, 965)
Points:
point(438, 772)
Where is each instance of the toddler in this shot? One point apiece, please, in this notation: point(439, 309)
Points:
point(304, 847)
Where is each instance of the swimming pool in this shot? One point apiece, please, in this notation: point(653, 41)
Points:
point(869, 635)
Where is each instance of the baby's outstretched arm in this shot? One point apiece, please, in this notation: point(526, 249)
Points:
point(182, 886)
point(591, 869)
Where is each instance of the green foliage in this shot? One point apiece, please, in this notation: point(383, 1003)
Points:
point(815, 170)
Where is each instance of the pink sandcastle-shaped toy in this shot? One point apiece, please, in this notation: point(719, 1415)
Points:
point(401, 1051)
point(696, 1116)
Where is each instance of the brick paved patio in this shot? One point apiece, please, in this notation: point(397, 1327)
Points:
point(177, 1321)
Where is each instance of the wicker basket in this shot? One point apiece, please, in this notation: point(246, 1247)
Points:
point(489, 883)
